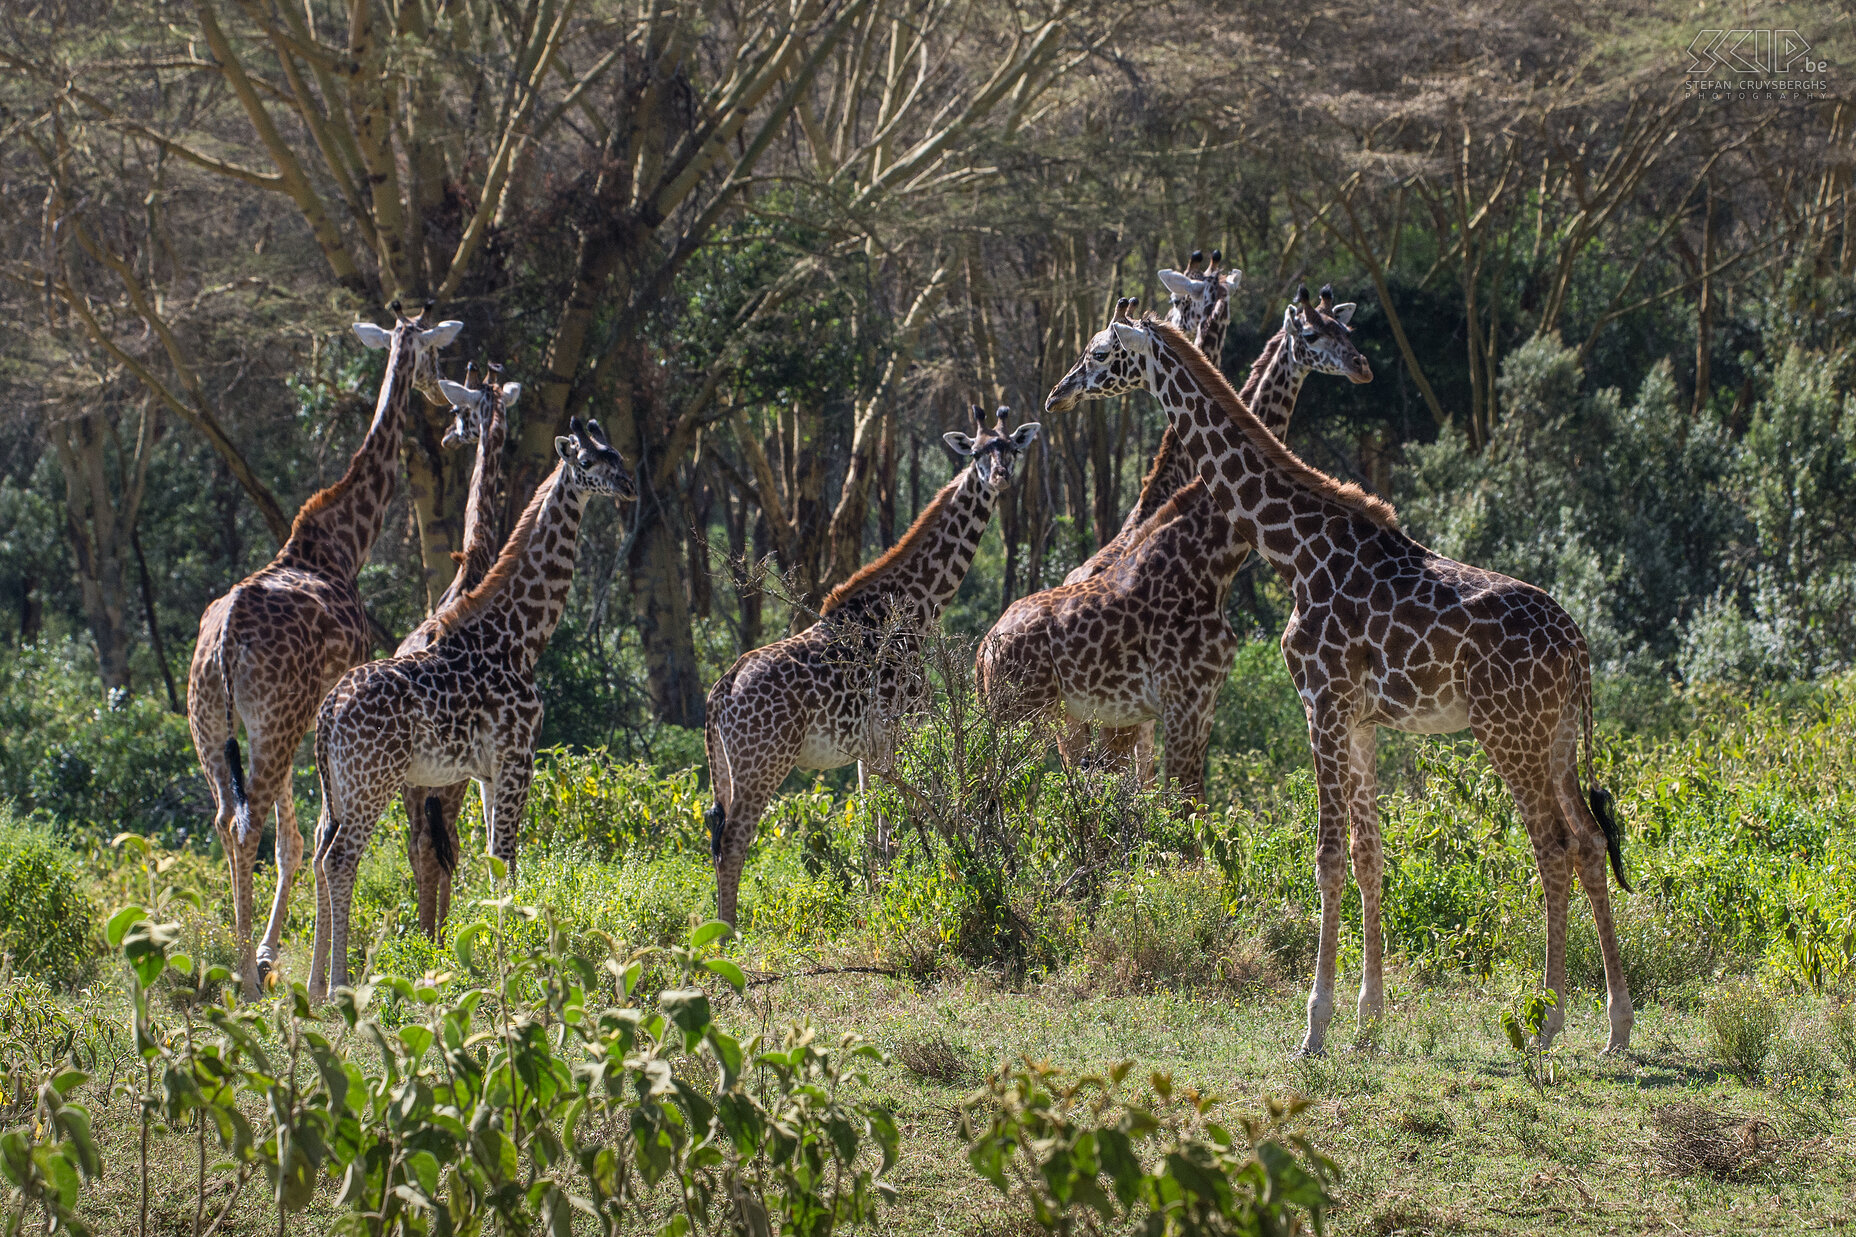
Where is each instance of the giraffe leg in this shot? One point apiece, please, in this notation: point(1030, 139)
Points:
point(289, 861)
point(1328, 739)
point(1589, 864)
point(504, 802)
point(325, 907)
point(1144, 751)
point(1525, 761)
point(751, 798)
point(432, 849)
point(267, 784)
point(1368, 853)
point(1117, 745)
point(1187, 727)
point(1072, 741)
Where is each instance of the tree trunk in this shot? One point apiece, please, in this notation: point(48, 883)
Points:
point(661, 607)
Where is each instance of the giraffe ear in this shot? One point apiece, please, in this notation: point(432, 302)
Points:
point(512, 391)
point(372, 335)
point(460, 396)
point(1291, 321)
point(440, 335)
point(1233, 279)
point(1177, 283)
point(959, 443)
point(564, 447)
point(1025, 434)
point(1133, 338)
point(1343, 313)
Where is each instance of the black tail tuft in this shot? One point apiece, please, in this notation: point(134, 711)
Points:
point(718, 822)
point(241, 805)
point(1614, 836)
point(441, 837)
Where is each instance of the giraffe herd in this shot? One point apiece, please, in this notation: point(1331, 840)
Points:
point(1383, 632)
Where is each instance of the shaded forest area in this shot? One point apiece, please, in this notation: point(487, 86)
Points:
point(777, 246)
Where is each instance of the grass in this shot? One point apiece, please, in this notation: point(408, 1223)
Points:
point(1432, 1124)
point(1734, 1112)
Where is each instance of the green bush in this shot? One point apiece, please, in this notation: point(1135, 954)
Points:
point(1164, 927)
point(1743, 1023)
point(46, 926)
point(95, 764)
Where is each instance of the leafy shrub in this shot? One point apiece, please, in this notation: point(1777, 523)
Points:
point(1668, 955)
point(1840, 1022)
point(95, 764)
point(610, 807)
point(1046, 1139)
point(1169, 928)
point(46, 926)
point(1742, 1021)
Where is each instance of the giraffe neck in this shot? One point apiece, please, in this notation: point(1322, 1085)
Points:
point(480, 545)
point(1210, 335)
point(1275, 381)
point(916, 580)
point(336, 528)
point(1266, 506)
point(519, 603)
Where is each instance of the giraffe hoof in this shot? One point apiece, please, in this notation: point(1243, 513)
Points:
point(267, 978)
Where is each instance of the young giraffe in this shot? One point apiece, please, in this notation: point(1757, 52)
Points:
point(271, 647)
point(1386, 632)
point(465, 706)
point(432, 812)
point(1110, 645)
point(833, 693)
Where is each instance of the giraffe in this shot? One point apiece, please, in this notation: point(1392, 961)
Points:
point(835, 692)
point(1051, 652)
point(271, 646)
point(1387, 632)
point(432, 812)
point(464, 706)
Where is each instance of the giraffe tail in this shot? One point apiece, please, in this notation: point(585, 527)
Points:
point(1601, 801)
point(235, 762)
point(441, 837)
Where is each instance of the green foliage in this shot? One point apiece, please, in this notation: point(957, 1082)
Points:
point(1054, 1141)
point(1524, 1023)
point(610, 807)
point(1743, 1022)
point(91, 764)
point(46, 925)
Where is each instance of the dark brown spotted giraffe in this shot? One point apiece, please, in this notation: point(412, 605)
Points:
point(1387, 633)
point(482, 417)
point(271, 647)
point(464, 706)
point(1110, 645)
point(837, 691)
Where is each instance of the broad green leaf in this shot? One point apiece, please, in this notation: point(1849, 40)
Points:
point(119, 922)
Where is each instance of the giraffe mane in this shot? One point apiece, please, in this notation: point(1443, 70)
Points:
point(1346, 493)
point(866, 575)
point(1149, 501)
point(467, 607)
point(1274, 345)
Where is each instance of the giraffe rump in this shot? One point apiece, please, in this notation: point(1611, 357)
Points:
point(1275, 454)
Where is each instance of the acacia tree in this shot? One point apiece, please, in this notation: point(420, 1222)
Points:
point(455, 150)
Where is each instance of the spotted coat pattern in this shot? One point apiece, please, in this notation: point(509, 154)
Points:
point(463, 707)
point(1116, 647)
point(837, 691)
point(1387, 633)
point(482, 418)
point(270, 648)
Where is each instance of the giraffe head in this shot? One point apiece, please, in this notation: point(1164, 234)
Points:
point(422, 342)
point(1106, 368)
point(993, 451)
point(1320, 339)
point(591, 461)
point(1200, 296)
point(472, 405)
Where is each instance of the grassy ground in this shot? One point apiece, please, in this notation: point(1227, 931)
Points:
point(1434, 1126)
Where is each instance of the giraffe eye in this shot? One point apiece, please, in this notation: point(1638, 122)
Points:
point(1310, 334)
point(1100, 354)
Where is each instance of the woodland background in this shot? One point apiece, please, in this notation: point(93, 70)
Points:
point(777, 246)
